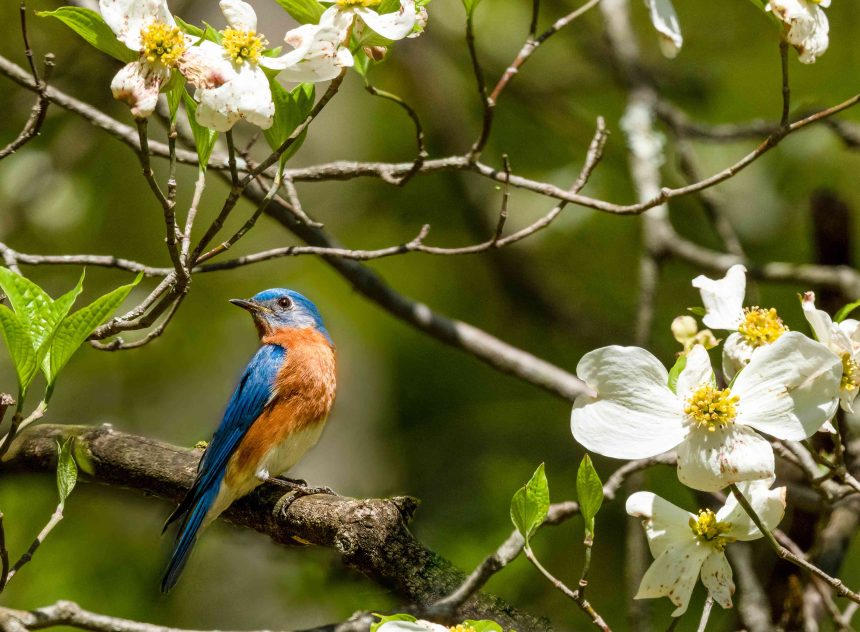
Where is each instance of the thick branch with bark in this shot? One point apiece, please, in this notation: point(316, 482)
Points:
point(370, 535)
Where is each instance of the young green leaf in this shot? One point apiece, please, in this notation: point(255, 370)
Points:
point(675, 371)
point(185, 27)
point(20, 347)
point(27, 299)
point(303, 11)
point(698, 311)
point(75, 329)
point(204, 138)
point(174, 90)
point(67, 470)
point(470, 6)
point(291, 109)
point(589, 492)
point(530, 504)
point(91, 26)
point(408, 618)
point(843, 313)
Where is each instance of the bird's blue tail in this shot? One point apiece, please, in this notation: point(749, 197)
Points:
point(187, 536)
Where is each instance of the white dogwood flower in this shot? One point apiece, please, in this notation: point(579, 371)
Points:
point(806, 26)
point(843, 339)
point(229, 77)
point(665, 20)
point(393, 26)
point(147, 27)
point(752, 327)
point(687, 546)
point(788, 390)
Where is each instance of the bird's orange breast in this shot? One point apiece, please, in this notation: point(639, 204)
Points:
point(304, 393)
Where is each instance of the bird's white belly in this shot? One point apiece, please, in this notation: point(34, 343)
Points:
point(290, 451)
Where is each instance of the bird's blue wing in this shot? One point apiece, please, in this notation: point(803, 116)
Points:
point(247, 403)
point(251, 396)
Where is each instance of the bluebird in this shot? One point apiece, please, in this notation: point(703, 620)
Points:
point(276, 414)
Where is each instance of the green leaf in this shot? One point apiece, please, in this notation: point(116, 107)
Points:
point(843, 313)
point(174, 90)
point(204, 138)
point(483, 625)
point(28, 300)
point(759, 3)
point(470, 6)
point(392, 617)
point(185, 27)
point(75, 329)
point(303, 11)
point(675, 371)
point(212, 34)
point(291, 109)
point(589, 492)
point(91, 26)
point(530, 504)
point(20, 347)
point(67, 470)
point(698, 311)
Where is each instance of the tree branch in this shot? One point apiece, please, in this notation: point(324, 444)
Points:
point(369, 535)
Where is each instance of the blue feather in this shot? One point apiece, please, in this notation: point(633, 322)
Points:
point(250, 398)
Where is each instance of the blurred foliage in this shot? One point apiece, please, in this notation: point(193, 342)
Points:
point(412, 416)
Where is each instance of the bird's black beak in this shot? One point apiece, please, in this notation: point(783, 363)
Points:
point(251, 306)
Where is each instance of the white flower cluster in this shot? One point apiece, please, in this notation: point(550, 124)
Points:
point(226, 68)
point(803, 22)
point(778, 383)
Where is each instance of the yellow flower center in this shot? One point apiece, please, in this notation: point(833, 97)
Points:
point(359, 3)
point(850, 373)
point(761, 326)
point(711, 408)
point(162, 43)
point(460, 627)
point(709, 530)
point(243, 45)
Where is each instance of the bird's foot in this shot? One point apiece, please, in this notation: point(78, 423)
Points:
point(300, 491)
point(290, 483)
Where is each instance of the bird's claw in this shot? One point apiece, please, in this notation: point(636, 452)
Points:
point(300, 491)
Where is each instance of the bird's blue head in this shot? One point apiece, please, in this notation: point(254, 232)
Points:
point(280, 308)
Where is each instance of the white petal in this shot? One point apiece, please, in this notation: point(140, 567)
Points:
point(393, 26)
point(246, 95)
point(717, 578)
point(206, 65)
point(768, 504)
point(808, 26)
point(818, 319)
point(789, 388)
point(709, 461)
point(697, 371)
point(737, 353)
point(665, 20)
point(127, 18)
point(138, 85)
point(634, 415)
point(318, 54)
point(239, 15)
point(674, 574)
point(665, 524)
point(723, 298)
point(828, 426)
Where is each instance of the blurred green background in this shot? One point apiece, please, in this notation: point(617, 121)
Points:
point(412, 416)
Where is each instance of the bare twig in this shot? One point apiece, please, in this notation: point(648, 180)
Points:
point(419, 131)
point(575, 595)
point(836, 584)
point(55, 519)
point(4, 556)
point(706, 614)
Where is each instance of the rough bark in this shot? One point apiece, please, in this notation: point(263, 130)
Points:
point(370, 535)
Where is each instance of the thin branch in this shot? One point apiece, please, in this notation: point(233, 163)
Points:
point(706, 614)
point(786, 88)
point(575, 595)
point(836, 584)
point(481, 85)
point(40, 109)
point(55, 519)
point(4, 556)
point(419, 131)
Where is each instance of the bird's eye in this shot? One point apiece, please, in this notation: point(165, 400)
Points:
point(285, 303)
